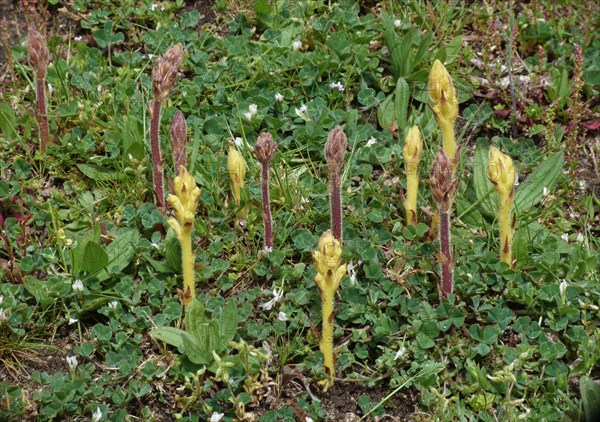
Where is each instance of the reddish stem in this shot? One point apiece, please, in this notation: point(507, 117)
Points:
point(157, 170)
point(446, 259)
point(336, 207)
point(266, 207)
point(41, 113)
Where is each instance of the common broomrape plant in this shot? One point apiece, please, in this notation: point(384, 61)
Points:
point(445, 106)
point(330, 272)
point(444, 187)
point(39, 57)
point(185, 202)
point(163, 79)
point(335, 149)
point(264, 149)
point(413, 148)
point(501, 172)
point(236, 166)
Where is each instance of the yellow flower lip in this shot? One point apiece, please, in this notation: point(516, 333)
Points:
point(501, 172)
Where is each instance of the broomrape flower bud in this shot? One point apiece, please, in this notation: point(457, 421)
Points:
point(264, 149)
point(413, 148)
point(445, 105)
point(335, 149)
point(165, 71)
point(38, 53)
point(502, 173)
point(443, 184)
point(236, 166)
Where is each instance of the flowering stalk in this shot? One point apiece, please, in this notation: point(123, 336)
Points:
point(163, 79)
point(330, 272)
point(264, 151)
point(39, 57)
point(413, 148)
point(445, 106)
point(444, 187)
point(178, 141)
point(335, 149)
point(185, 202)
point(501, 172)
point(236, 166)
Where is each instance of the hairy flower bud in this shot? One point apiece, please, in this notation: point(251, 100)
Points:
point(442, 93)
point(236, 166)
point(38, 53)
point(501, 172)
point(165, 72)
point(335, 149)
point(413, 148)
point(443, 184)
point(185, 200)
point(264, 149)
point(178, 141)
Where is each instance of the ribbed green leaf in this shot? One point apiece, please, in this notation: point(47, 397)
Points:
point(170, 335)
point(228, 324)
point(531, 191)
point(401, 101)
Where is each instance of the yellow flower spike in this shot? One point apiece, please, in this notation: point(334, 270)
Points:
point(445, 105)
point(330, 272)
point(185, 202)
point(413, 148)
point(236, 166)
point(502, 172)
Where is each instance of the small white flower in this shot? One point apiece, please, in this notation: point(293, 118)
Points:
point(1, 299)
point(281, 316)
point(50, 89)
point(278, 97)
point(113, 304)
point(351, 270)
point(564, 237)
point(216, 417)
point(297, 45)
point(72, 362)
point(400, 353)
point(239, 142)
point(247, 116)
point(72, 321)
point(97, 415)
point(77, 286)
point(253, 108)
point(301, 112)
point(267, 306)
point(397, 23)
point(563, 288)
point(580, 238)
point(153, 6)
point(582, 184)
point(3, 316)
point(337, 85)
point(308, 419)
point(372, 141)
point(78, 38)
point(545, 191)
point(162, 8)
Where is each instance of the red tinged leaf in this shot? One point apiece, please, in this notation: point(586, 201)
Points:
point(591, 125)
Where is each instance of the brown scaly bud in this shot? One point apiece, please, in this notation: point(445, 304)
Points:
point(443, 184)
point(264, 149)
point(178, 141)
point(165, 72)
point(39, 56)
point(335, 149)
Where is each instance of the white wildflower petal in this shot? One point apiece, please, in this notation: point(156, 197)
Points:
point(337, 85)
point(372, 141)
point(281, 316)
point(97, 415)
point(72, 362)
point(400, 353)
point(77, 286)
point(239, 142)
point(297, 45)
point(563, 287)
point(279, 97)
point(351, 269)
point(72, 321)
point(153, 6)
point(545, 191)
point(565, 237)
point(253, 108)
point(113, 304)
point(216, 417)
point(580, 238)
point(397, 23)
point(248, 116)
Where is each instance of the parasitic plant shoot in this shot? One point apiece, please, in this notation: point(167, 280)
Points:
point(264, 149)
point(39, 57)
point(335, 149)
point(413, 148)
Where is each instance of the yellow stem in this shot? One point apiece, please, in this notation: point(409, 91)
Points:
point(326, 345)
point(410, 204)
point(506, 230)
point(187, 261)
point(448, 140)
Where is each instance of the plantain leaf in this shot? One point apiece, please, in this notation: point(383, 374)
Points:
point(531, 191)
point(228, 324)
point(94, 258)
point(170, 335)
point(385, 112)
point(486, 195)
point(401, 101)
